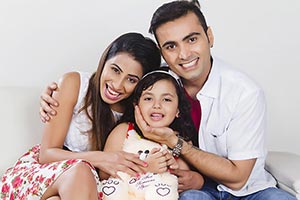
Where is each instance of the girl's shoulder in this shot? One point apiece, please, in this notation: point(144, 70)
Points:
point(124, 126)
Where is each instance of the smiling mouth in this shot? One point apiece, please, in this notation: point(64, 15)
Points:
point(189, 64)
point(156, 116)
point(111, 94)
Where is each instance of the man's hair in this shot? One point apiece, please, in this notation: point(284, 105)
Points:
point(174, 10)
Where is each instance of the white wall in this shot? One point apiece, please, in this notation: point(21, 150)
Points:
point(42, 39)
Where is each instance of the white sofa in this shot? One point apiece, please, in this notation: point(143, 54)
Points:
point(21, 128)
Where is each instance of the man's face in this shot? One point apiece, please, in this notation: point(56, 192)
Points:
point(186, 47)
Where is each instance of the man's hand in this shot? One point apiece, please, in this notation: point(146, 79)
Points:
point(188, 179)
point(47, 103)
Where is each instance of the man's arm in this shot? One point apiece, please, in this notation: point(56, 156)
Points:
point(231, 173)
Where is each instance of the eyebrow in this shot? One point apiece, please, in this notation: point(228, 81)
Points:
point(131, 75)
point(184, 39)
point(164, 94)
point(190, 35)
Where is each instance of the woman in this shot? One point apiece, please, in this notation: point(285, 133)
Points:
point(63, 166)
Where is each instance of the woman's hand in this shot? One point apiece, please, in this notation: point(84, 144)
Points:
point(48, 102)
point(113, 162)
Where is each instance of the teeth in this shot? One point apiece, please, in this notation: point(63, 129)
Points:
point(112, 92)
point(190, 64)
point(157, 116)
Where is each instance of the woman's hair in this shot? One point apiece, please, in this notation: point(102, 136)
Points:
point(143, 50)
point(183, 124)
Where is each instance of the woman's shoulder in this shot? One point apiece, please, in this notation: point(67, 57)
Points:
point(75, 76)
point(70, 77)
point(69, 85)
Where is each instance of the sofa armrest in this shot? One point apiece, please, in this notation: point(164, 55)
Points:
point(285, 167)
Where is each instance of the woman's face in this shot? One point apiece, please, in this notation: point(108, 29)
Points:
point(159, 104)
point(119, 77)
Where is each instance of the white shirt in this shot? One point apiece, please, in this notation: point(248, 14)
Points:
point(233, 123)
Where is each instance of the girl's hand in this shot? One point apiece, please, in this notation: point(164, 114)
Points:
point(113, 162)
point(157, 161)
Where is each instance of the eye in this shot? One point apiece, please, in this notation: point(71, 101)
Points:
point(170, 46)
point(140, 151)
point(167, 99)
point(132, 80)
point(147, 152)
point(147, 99)
point(115, 69)
point(192, 39)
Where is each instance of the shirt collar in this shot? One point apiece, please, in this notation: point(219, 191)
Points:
point(212, 85)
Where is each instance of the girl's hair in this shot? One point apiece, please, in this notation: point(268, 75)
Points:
point(182, 124)
point(143, 50)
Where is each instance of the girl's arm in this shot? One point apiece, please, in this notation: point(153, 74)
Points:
point(156, 160)
point(114, 142)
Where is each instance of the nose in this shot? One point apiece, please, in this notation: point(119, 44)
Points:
point(156, 105)
point(184, 52)
point(118, 84)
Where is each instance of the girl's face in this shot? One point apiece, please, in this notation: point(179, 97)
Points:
point(159, 104)
point(119, 77)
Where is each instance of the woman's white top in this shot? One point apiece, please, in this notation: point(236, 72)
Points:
point(77, 138)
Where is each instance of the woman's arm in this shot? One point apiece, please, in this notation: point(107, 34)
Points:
point(55, 131)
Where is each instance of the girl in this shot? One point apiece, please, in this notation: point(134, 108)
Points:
point(162, 102)
point(63, 166)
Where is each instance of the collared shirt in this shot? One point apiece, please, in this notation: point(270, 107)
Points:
point(233, 122)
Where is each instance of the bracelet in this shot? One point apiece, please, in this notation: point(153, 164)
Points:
point(176, 151)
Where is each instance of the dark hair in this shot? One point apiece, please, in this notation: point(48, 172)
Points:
point(143, 50)
point(174, 10)
point(182, 124)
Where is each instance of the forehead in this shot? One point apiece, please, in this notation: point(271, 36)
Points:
point(177, 29)
point(164, 86)
point(126, 63)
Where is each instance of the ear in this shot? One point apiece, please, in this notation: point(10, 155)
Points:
point(177, 113)
point(210, 37)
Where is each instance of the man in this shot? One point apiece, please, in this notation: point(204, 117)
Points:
point(231, 151)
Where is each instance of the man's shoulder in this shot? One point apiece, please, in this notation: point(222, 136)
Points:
point(234, 76)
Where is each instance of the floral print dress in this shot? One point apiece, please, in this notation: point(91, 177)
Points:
point(28, 179)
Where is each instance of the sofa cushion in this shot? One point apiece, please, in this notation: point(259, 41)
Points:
point(20, 124)
point(285, 167)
